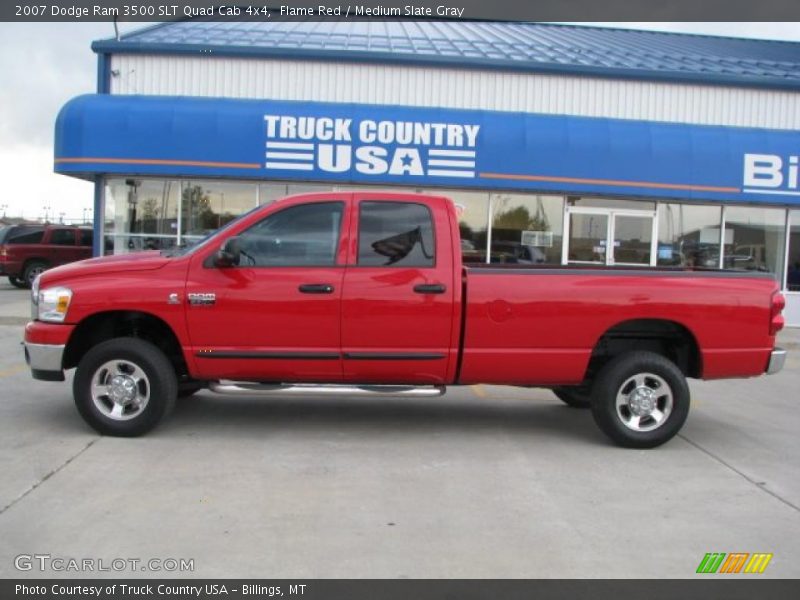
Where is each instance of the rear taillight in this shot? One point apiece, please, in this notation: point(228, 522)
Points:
point(776, 321)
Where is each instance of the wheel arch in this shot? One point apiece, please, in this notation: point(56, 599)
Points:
point(105, 325)
point(666, 337)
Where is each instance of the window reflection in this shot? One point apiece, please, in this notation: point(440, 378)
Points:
point(140, 214)
point(688, 235)
point(754, 238)
point(793, 268)
point(208, 205)
point(526, 229)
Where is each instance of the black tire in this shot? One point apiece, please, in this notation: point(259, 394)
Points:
point(32, 269)
point(575, 396)
point(157, 380)
point(645, 381)
point(17, 282)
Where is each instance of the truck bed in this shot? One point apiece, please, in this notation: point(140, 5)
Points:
point(540, 324)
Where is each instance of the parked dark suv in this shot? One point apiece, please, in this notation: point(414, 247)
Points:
point(27, 250)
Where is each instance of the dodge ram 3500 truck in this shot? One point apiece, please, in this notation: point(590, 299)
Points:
point(366, 293)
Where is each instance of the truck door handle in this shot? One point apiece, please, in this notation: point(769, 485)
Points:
point(430, 288)
point(316, 288)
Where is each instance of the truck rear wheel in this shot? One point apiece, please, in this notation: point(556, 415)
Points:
point(577, 396)
point(124, 387)
point(16, 282)
point(640, 400)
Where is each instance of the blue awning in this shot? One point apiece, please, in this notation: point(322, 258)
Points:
point(391, 145)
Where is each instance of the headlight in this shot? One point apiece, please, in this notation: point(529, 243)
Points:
point(53, 304)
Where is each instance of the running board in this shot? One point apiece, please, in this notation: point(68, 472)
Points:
point(244, 388)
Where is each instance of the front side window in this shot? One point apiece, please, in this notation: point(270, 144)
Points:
point(395, 234)
point(306, 235)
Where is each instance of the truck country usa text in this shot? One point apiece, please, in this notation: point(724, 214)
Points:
point(336, 145)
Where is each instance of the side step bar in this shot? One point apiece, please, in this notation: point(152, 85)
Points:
point(244, 388)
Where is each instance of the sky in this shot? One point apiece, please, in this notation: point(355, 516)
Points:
point(43, 65)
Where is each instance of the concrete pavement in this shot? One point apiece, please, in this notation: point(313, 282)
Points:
point(483, 482)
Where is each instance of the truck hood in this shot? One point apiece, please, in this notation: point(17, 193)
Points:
point(138, 261)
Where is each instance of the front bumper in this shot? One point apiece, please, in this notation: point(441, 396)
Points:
point(776, 361)
point(44, 349)
point(45, 361)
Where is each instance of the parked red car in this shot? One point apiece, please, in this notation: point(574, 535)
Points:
point(27, 250)
point(366, 293)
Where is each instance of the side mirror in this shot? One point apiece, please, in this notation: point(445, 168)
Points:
point(228, 255)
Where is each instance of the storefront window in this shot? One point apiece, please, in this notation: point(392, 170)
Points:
point(141, 214)
point(526, 229)
point(208, 205)
point(793, 269)
point(473, 215)
point(688, 235)
point(754, 238)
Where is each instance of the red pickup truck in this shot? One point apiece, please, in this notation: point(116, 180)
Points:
point(366, 293)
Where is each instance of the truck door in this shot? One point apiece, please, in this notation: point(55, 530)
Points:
point(397, 303)
point(276, 316)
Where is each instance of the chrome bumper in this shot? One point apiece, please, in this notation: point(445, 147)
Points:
point(776, 360)
point(45, 361)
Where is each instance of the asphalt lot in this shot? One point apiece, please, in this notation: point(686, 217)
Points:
point(483, 482)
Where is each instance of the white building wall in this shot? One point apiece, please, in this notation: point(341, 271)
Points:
point(453, 88)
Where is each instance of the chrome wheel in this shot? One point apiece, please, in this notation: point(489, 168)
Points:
point(120, 390)
point(644, 402)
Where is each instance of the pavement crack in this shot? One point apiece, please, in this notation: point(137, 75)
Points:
point(48, 475)
point(758, 484)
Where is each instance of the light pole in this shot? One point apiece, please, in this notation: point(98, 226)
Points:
point(86, 211)
point(46, 209)
point(4, 207)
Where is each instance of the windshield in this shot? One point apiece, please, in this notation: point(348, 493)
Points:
point(188, 248)
point(3, 233)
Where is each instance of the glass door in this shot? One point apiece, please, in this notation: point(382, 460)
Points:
point(605, 236)
point(633, 240)
point(588, 237)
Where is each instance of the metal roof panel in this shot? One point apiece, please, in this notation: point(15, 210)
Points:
point(504, 45)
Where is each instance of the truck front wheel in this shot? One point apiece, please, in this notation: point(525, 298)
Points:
point(124, 387)
point(640, 399)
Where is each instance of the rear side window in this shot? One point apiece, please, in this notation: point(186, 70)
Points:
point(25, 235)
point(306, 235)
point(395, 234)
point(62, 237)
point(86, 237)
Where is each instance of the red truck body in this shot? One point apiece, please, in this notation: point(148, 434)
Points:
point(437, 324)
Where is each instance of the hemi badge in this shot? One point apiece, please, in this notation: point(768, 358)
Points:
point(174, 299)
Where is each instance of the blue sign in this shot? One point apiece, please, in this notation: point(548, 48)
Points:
point(354, 143)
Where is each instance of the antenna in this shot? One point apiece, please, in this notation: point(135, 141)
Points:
point(116, 29)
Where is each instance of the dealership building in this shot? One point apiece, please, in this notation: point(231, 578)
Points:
point(560, 144)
